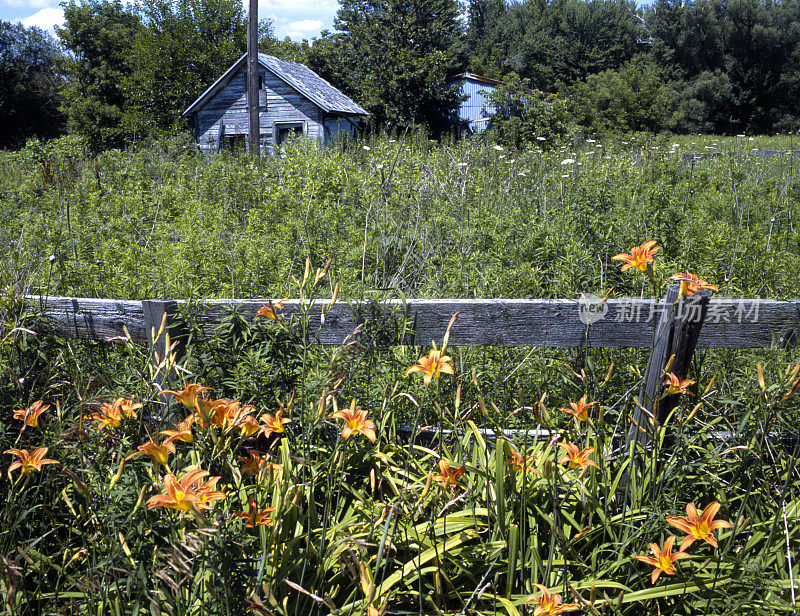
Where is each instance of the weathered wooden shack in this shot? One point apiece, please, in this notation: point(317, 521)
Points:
point(475, 112)
point(292, 99)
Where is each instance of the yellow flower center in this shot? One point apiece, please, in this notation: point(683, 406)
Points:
point(701, 530)
point(664, 563)
point(159, 454)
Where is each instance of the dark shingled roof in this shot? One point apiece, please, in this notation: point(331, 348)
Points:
point(314, 87)
point(300, 77)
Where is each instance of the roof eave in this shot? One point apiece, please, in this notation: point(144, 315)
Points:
point(219, 83)
point(212, 89)
point(337, 112)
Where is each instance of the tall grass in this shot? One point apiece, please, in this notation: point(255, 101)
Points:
point(405, 216)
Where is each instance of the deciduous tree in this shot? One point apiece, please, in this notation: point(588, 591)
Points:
point(29, 94)
point(98, 35)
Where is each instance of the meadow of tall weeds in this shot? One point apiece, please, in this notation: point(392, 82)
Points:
point(259, 474)
point(400, 216)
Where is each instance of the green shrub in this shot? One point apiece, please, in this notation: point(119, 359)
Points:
point(525, 117)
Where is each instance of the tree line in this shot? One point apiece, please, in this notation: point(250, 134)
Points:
point(121, 73)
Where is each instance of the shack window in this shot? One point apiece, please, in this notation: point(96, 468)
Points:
point(234, 143)
point(283, 131)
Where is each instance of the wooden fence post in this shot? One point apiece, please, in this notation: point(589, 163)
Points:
point(676, 333)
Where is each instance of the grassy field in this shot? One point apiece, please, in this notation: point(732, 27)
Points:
point(399, 217)
point(294, 486)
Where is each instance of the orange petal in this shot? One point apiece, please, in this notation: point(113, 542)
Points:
point(710, 511)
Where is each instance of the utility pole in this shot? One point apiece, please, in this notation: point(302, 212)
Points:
point(252, 78)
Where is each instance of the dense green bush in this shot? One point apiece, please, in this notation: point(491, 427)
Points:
point(632, 98)
point(525, 117)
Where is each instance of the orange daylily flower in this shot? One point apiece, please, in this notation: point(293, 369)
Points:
point(675, 385)
point(249, 426)
point(189, 395)
point(273, 424)
point(663, 559)
point(108, 417)
point(640, 257)
point(577, 458)
point(449, 476)
point(432, 366)
point(182, 431)
point(255, 516)
point(356, 422)
point(207, 492)
point(548, 604)
point(699, 526)
point(190, 493)
point(253, 463)
point(112, 414)
point(519, 464)
point(580, 409)
point(691, 284)
point(158, 452)
point(271, 310)
point(31, 414)
point(230, 413)
point(204, 411)
point(177, 495)
point(127, 406)
point(29, 462)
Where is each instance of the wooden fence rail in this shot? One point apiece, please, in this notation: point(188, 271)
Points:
point(673, 327)
point(728, 323)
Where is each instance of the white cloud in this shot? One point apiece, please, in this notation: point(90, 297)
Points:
point(300, 6)
point(46, 19)
point(306, 25)
point(31, 4)
point(298, 19)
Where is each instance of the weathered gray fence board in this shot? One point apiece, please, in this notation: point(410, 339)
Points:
point(730, 323)
point(92, 319)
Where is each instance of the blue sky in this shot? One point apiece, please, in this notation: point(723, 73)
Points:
point(298, 19)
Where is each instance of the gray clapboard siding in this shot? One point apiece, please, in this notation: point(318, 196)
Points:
point(282, 104)
point(729, 324)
